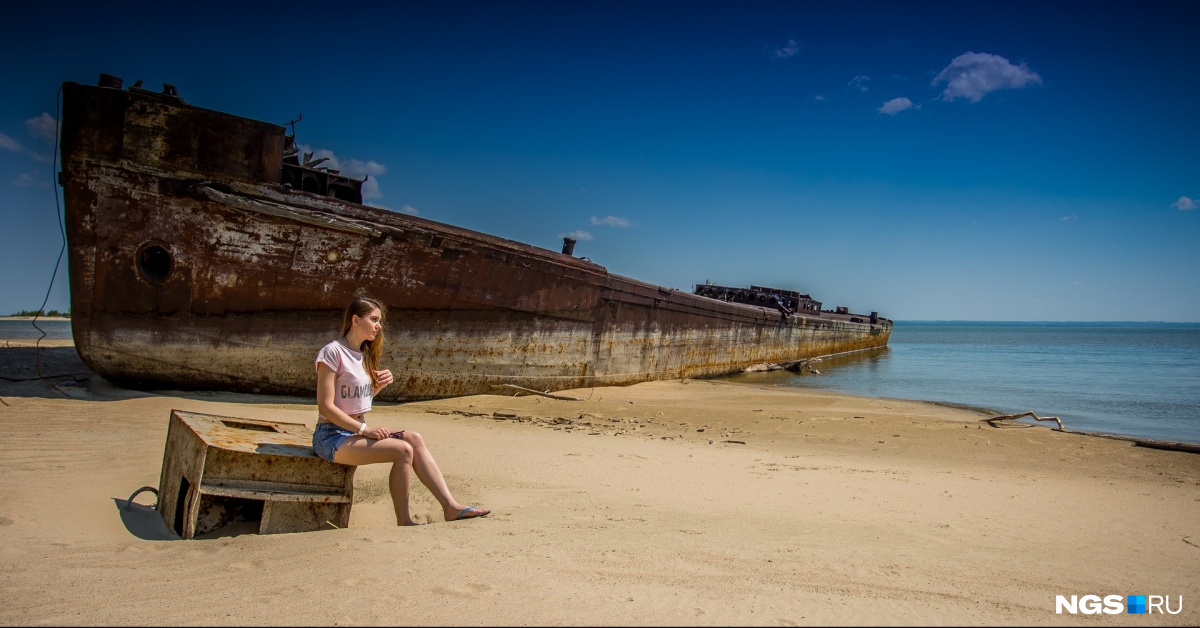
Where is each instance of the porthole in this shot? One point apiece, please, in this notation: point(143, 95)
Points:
point(154, 262)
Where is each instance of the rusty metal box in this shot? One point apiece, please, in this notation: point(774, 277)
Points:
point(219, 471)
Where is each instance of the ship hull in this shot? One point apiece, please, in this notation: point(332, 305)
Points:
point(192, 268)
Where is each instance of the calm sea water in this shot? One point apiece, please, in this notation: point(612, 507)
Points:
point(23, 329)
point(1135, 379)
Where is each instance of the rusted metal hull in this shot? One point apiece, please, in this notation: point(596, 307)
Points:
point(193, 268)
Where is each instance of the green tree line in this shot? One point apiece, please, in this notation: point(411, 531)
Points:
point(41, 313)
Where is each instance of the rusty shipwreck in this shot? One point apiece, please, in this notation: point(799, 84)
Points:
point(205, 253)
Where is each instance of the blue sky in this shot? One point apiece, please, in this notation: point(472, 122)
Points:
point(1001, 161)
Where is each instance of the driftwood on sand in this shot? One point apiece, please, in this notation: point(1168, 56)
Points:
point(795, 366)
point(1009, 417)
point(1152, 443)
point(522, 389)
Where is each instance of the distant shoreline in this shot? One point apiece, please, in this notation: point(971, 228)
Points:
point(959, 323)
point(900, 322)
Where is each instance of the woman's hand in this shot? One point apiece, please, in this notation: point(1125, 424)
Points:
point(377, 433)
point(384, 378)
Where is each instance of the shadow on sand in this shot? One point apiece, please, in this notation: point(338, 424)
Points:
point(22, 363)
point(146, 523)
point(63, 373)
point(143, 521)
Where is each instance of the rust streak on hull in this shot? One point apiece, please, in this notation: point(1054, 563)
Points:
point(192, 267)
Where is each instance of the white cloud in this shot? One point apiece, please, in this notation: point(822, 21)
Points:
point(370, 190)
point(26, 180)
point(8, 143)
point(355, 168)
point(896, 105)
point(973, 75)
point(409, 209)
point(790, 49)
point(819, 98)
point(860, 83)
point(611, 221)
point(370, 167)
point(43, 127)
point(1185, 204)
point(351, 167)
point(579, 235)
point(1070, 218)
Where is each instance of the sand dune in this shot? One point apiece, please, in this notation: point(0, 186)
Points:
point(694, 502)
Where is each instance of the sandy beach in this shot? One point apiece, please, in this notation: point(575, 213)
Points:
point(695, 502)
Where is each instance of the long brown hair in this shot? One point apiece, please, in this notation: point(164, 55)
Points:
point(371, 349)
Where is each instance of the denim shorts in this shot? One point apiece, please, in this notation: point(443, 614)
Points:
point(327, 438)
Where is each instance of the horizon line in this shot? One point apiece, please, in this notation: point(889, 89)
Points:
point(1055, 322)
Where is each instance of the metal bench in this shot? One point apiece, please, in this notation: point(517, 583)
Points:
point(220, 470)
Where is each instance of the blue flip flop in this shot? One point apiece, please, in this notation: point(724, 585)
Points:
point(469, 509)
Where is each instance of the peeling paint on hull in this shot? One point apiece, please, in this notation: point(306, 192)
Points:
point(193, 268)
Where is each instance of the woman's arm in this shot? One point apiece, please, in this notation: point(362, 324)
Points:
point(326, 387)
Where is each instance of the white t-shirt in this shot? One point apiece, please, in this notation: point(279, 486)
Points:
point(352, 389)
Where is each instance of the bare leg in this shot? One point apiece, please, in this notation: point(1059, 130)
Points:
point(358, 450)
point(430, 475)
